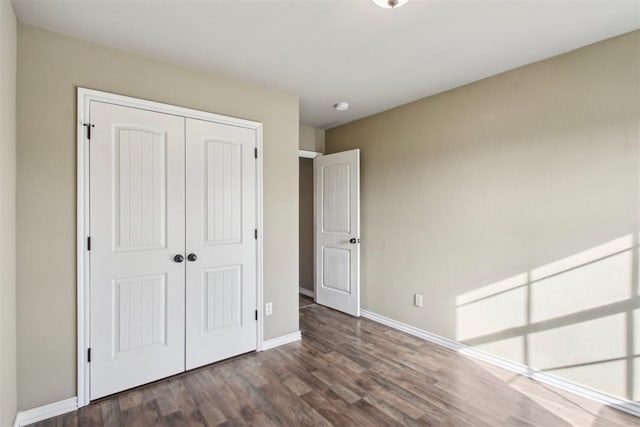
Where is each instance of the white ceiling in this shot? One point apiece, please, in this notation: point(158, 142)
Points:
point(342, 50)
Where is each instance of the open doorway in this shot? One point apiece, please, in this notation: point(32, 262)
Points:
point(306, 232)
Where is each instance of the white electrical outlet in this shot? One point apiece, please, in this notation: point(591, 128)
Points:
point(268, 309)
point(417, 300)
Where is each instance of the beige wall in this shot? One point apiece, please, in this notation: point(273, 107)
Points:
point(312, 139)
point(511, 204)
point(306, 223)
point(50, 67)
point(7, 213)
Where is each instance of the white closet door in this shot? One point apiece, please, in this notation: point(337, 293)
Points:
point(137, 228)
point(337, 233)
point(220, 241)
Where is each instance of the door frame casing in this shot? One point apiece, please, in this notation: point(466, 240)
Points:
point(308, 154)
point(83, 288)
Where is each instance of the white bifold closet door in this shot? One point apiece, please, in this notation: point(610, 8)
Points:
point(137, 228)
point(221, 222)
point(173, 253)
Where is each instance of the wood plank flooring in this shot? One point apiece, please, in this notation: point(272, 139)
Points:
point(346, 372)
point(304, 301)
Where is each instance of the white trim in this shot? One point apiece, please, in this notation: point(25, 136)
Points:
point(40, 413)
point(143, 104)
point(307, 292)
point(624, 405)
point(260, 242)
point(82, 278)
point(412, 330)
point(85, 96)
point(282, 340)
point(308, 154)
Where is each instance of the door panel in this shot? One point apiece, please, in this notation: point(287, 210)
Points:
point(137, 226)
point(222, 298)
point(335, 200)
point(139, 189)
point(221, 219)
point(140, 312)
point(223, 192)
point(336, 269)
point(337, 234)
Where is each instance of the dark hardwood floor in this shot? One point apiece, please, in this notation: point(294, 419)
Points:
point(345, 372)
point(304, 301)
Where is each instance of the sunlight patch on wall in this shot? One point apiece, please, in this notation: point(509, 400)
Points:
point(581, 258)
point(492, 314)
point(636, 379)
point(597, 284)
point(569, 318)
point(510, 348)
point(492, 289)
point(636, 331)
point(609, 377)
point(578, 343)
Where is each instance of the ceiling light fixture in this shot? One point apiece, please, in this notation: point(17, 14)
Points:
point(341, 106)
point(390, 4)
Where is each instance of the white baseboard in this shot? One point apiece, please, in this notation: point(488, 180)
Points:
point(625, 405)
point(307, 292)
point(282, 340)
point(40, 413)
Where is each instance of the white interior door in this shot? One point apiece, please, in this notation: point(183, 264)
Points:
point(137, 212)
point(337, 230)
point(221, 241)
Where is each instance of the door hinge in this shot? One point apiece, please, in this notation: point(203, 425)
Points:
point(89, 243)
point(255, 153)
point(256, 314)
point(89, 355)
point(255, 234)
point(88, 126)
